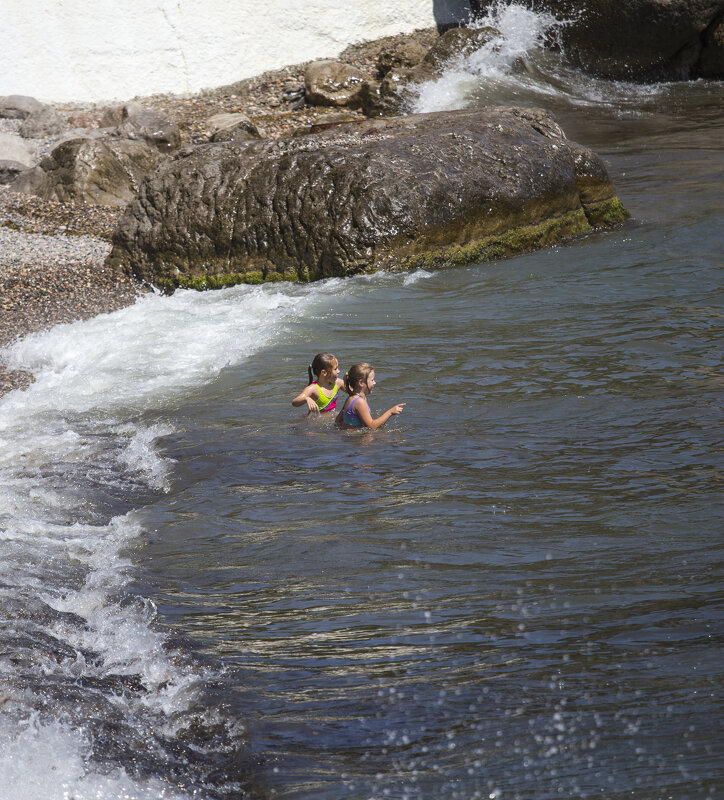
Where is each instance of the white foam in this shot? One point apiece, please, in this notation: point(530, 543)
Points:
point(415, 277)
point(521, 30)
point(81, 424)
point(49, 761)
point(515, 68)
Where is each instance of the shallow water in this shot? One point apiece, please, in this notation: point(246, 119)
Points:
point(512, 590)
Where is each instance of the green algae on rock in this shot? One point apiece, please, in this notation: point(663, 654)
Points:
point(446, 187)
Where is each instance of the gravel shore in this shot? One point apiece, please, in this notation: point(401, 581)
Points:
point(52, 254)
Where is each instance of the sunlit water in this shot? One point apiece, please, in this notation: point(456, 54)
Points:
point(512, 590)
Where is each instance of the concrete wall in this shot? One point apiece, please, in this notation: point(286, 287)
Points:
point(76, 50)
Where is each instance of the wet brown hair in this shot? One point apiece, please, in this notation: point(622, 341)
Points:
point(357, 373)
point(319, 362)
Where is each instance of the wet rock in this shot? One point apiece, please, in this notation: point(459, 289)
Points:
point(333, 83)
point(232, 128)
point(294, 96)
point(43, 123)
point(711, 62)
point(639, 39)
point(395, 94)
point(421, 190)
point(17, 106)
point(90, 170)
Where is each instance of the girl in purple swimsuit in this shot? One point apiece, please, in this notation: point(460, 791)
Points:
point(359, 382)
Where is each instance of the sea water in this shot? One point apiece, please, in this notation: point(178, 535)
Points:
point(511, 590)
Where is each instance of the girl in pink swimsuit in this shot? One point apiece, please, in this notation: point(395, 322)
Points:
point(359, 382)
point(321, 394)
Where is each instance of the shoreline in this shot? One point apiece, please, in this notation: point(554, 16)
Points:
point(52, 270)
point(52, 254)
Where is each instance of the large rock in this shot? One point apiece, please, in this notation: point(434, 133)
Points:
point(18, 106)
point(711, 62)
point(90, 170)
point(638, 38)
point(411, 191)
point(333, 83)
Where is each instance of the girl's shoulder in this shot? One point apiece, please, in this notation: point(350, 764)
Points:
point(356, 401)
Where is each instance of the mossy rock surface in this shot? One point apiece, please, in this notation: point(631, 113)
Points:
point(450, 187)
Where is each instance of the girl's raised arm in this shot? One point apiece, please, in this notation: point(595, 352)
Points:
point(307, 397)
point(363, 412)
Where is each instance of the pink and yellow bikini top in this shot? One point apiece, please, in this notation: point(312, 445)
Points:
point(327, 402)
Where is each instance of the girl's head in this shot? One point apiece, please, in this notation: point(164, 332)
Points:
point(323, 363)
point(360, 376)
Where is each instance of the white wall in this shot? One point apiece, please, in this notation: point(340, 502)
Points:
point(98, 50)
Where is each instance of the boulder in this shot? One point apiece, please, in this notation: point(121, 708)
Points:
point(637, 39)
point(232, 128)
point(90, 170)
point(395, 93)
point(333, 83)
point(422, 190)
point(43, 123)
point(17, 106)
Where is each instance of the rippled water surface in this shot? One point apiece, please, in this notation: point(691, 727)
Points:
point(512, 590)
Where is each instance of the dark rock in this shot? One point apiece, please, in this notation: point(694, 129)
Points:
point(333, 83)
point(90, 170)
point(411, 191)
point(17, 106)
point(295, 97)
point(711, 61)
point(638, 39)
point(43, 123)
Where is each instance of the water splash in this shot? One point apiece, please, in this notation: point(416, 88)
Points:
point(518, 68)
point(496, 64)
